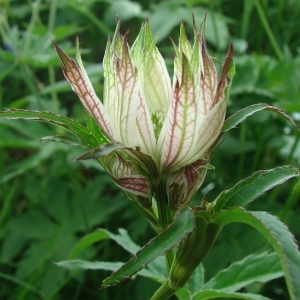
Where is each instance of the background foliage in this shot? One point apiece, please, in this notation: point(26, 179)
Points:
point(48, 202)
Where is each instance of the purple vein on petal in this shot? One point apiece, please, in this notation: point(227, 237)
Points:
point(82, 87)
point(180, 126)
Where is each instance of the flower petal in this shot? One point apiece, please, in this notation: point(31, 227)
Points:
point(178, 132)
point(127, 97)
point(145, 130)
point(225, 70)
point(208, 80)
point(81, 85)
point(154, 76)
point(208, 131)
point(184, 44)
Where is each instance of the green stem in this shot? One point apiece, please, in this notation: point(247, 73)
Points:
point(165, 217)
point(242, 140)
point(52, 14)
point(164, 292)
point(162, 206)
point(54, 97)
point(94, 19)
point(268, 29)
point(214, 25)
point(51, 70)
point(34, 17)
point(248, 6)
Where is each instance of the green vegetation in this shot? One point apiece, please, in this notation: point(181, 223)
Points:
point(49, 202)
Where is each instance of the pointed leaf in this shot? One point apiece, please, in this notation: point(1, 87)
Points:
point(253, 268)
point(182, 225)
point(78, 264)
point(121, 239)
point(252, 187)
point(93, 128)
point(241, 115)
point(43, 116)
point(89, 265)
point(277, 235)
point(101, 151)
point(63, 139)
point(215, 294)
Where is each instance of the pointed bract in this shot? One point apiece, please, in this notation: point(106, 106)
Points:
point(83, 88)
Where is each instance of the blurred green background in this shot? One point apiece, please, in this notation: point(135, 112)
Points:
point(48, 201)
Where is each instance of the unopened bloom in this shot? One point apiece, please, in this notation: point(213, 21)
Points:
point(168, 124)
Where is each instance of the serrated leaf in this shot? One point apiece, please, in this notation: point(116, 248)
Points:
point(252, 187)
point(121, 239)
point(241, 115)
point(277, 235)
point(124, 240)
point(101, 151)
point(253, 268)
point(43, 116)
point(78, 264)
point(215, 294)
point(93, 128)
point(182, 225)
point(89, 240)
point(63, 139)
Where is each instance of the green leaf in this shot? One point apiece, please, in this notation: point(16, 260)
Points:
point(296, 188)
point(102, 151)
point(63, 139)
point(183, 294)
point(277, 235)
point(154, 271)
point(20, 282)
point(241, 115)
point(89, 240)
point(78, 264)
point(122, 239)
point(43, 116)
point(182, 225)
point(89, 265)
point(214, 294)
point(252, 187)
point(197, 280)
point(93, 127)
point(253, 268)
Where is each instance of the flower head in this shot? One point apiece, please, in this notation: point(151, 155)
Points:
point(166, 127)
